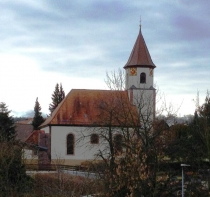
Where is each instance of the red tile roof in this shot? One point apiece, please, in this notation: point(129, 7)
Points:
point(140, 56)
point(33, 138)
point(93, 107)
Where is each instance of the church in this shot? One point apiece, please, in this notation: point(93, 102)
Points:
point(72, 134)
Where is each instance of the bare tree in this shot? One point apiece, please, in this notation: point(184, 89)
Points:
point(131, 142)
point(115, 80)
point(134, 136)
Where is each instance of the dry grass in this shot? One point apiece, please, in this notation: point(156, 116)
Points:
point(64, 185)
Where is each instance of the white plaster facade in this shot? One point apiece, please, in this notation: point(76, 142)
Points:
point(134, 80)
point(143, 95)
point(84, 150)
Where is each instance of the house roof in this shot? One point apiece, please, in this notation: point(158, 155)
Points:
point(33, 138)
point(26, 121)
point(38, 139)
point(23, 131)
point(140, 56)
point(93, 107)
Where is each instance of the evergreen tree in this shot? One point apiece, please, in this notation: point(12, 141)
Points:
point(61, 93)
point(7, 127)
point(13, 177)
point(57, 96)
point(202, 125)
point(38, 119)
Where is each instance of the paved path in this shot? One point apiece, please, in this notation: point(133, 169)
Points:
point(72, 172)
point(80, 173)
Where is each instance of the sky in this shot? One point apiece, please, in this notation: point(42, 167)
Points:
point(75, 43)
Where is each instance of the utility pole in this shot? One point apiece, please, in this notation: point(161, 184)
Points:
point(183, 165)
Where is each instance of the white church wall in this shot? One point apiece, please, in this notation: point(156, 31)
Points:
point(145, 101)
point(46, 129)
point(135, 80)
point(83, 150)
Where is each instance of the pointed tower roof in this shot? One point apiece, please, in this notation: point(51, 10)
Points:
point(140, 56)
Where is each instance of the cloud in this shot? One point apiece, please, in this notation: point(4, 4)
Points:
point(29, 114)
point(75, 42)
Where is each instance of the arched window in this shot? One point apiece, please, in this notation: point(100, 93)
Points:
point(70, 144)
point(94, 139)
point(142, 78)
point(118, 143)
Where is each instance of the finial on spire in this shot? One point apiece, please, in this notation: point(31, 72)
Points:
point(140, 23)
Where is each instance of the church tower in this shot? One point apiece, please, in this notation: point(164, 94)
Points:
point(140, 76)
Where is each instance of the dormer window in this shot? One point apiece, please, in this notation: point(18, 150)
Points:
point(142, 78)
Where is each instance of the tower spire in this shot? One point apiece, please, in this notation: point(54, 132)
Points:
point(140, 24)
point(140, 56)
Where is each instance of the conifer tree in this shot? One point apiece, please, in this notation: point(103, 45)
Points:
point(7, 127)
point(61, 93)
point(38, 119)
point(57, 96)
point(13, 178)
